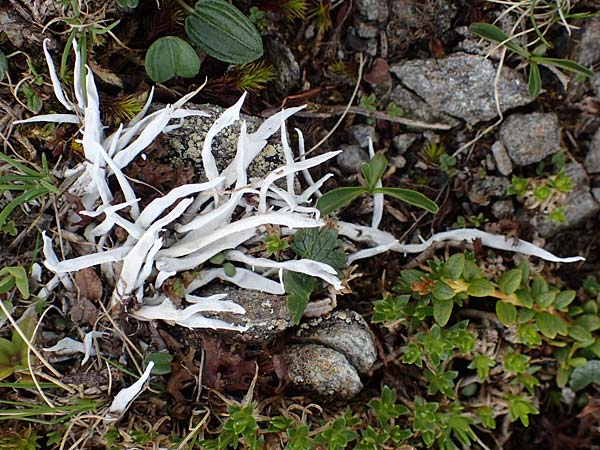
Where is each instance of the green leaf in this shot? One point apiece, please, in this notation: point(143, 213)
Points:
point(482, 363)
point(480, 288)
point(223, 32)
point(374, 170)
point(539, 286)
point(582, 377)
point(336, 198)
point(170, 57)
point(564, 299)
point(442, 291)
point(321, 245)
point(510, 281)
point(162, 362)
point(442, 310)
point(580, 334)
point(550, 325)
point(229, 269)
point(3, 65)
point(471, 271)
point(565, 64)
point(298, 287)
point(411, 197)
point(453, 268)
point(495, 34)
point(128, 4)
point(506, 312)
point(534, 85)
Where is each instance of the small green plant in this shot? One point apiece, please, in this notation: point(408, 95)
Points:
point(13, 353)
point(372, 173)
point(218, 28)
point(475, 221)
point(318, 244)
point(394, 110)
point(254, 76)
point(31, 184)
point(23, 440)
point(535, 58)
point(258, 18)
point(368, 103)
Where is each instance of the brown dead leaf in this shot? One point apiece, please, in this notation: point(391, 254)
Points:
point(89, 284)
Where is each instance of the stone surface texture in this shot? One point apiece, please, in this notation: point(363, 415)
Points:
point(360, 134)
point(588, 50)
point(351, 158)
point(462, 85)
point(592, 158)
point(185, 143)
point(346, 332)
point(503, 162)
point(529, 138)
point(373, 10)
point(285, 64)
point(322, 372)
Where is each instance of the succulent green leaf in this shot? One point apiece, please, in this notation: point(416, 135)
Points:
point(442, 291)
point(582, 377)
point(223, 32)
point(442, 310)
point(453, 268)
point(510, 281)
point(170, 57)
point(564, 299)
point(506, 312)
point(580, 334)
point(411, 197)
point(336, 198)
point(480, 288)
point(550, 325)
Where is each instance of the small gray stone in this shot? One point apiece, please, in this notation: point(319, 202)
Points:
point(351, 158)
point(399, 161)
point(361, 133)
point(529, 138)
point(490, 186)
point(321, 371)
point(592, 158)
point(402, 142)
point(373, 10)
point(372, 47)
point(346, 332)
point(503, 209)
point(462, 85)
point(366, 30)
point(502, 159)
point(286, 67)
point(588, 50)
point(597, 86)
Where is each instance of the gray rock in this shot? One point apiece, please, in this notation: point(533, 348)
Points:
point(417, 109)
point(502, 159)
point(346, 332)
point(592, 158)
point(399, 161)
point(361, 133)
point(503, 209)
point(321, 371)
point(351, 158)
point(267, 315)
point(529, 138)
point(372, 47)
point(597, 86)
point(373, 10)
point(579, 204)
point(402, 142)
point(588, 50)
point(285, 64)
point(490, 186)
point(184, 144)
point(365, 30)
point(462, 85)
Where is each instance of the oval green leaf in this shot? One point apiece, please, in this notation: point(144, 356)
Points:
point(534, 85)
point(411, 197)
point(550, 325)
point(170, 57)
point(442, 310)
point(582, 377)
point(506, 312)
point(336, 198)
point(481, 288)
point(510, 281)
point(453, 268)
point(442, 291)
point(223, 32)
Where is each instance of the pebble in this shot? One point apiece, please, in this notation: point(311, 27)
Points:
point(592, 158)
point(529, 138)
point(351, 158)
point(373, 10)
point(402, 142)
point(503, 163)
point(360, 134)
